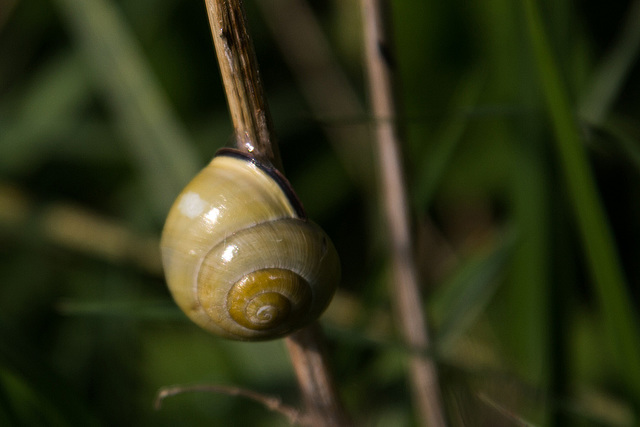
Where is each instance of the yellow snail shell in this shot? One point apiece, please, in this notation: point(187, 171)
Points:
point(240, 257)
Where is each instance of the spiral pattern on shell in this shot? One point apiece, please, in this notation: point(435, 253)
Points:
point(240, 258)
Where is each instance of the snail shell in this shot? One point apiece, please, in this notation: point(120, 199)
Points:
point(240, 257)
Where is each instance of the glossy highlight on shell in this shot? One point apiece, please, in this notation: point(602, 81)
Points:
point(240, 257)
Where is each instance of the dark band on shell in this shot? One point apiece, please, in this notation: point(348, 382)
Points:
point(274, 173)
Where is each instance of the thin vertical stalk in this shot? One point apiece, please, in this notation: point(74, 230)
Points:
point(308, 354)
point(241, 79)
point(254, 134)
point(405, 292)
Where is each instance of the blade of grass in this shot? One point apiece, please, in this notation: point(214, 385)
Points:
point(467, 294)
point(530, 288)
point(159, 145)
point(45, 110)
point(610, 75)
point(611, 290)
point(436, 164)
point(519, 311)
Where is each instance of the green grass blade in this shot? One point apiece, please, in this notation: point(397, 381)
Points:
point(468, 293)
point(616, 66)
point(436, 164)
point(158, 143)
point(44, 111)
point(619, 320)
point(528, 291)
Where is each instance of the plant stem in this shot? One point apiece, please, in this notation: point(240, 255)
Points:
point(241, 80)
point(307, 352)
point(254, 134)
point(405, 292)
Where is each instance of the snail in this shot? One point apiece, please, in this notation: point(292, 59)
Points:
point(241, 259)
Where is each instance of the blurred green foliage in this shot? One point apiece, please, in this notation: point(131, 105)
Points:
point(522, 154)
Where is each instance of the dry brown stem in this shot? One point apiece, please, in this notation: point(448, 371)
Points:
point(241, 79)
point(252, 123)
point(405, 289)
point(306, 348)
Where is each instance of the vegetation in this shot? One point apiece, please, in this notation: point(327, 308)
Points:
point(522, 151)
